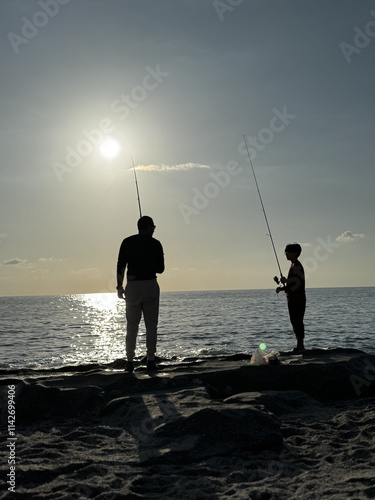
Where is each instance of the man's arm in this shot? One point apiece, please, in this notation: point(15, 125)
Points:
point(159, 267)
point(120, 269)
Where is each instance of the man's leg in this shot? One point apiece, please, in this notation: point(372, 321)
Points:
point(151, 316)
point(133, 317)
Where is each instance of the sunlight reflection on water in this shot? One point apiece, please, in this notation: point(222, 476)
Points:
point(80, 329)
point(101, 335)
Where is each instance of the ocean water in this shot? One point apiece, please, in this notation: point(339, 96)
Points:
point(55, 331)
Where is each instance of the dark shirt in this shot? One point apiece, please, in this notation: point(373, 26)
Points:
point(144, 257)
point(295, 287)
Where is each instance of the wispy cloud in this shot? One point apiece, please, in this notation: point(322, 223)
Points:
point(183, 269)
point(164, 168)
point(48, 260)
point(349, 236)
point(14, 262)
point(24, 262)
point(89, 271)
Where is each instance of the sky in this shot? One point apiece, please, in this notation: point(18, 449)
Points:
point(178, 84)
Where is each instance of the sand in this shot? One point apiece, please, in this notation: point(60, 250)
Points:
point(213, 428)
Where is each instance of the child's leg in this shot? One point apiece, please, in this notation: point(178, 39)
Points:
point(296, 314)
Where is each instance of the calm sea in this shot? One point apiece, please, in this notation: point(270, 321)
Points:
point(55, 331)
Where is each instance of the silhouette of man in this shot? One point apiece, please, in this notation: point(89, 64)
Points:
point(294, 287)
point(143, 256)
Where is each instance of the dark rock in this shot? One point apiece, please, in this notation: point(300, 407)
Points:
point(278, 402)
point(37, 402)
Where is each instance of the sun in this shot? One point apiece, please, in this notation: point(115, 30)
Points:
point(109, 147)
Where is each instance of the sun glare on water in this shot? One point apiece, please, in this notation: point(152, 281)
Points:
point(109, 148)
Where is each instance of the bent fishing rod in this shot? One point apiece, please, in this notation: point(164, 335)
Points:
point(264, 213)
point(136, 186)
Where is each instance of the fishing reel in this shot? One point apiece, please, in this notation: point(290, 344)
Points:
point(281, 284)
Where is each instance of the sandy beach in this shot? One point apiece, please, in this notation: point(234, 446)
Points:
point(210, 428)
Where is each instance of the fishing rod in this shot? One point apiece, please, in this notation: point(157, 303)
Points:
point(136, 185)
point(264, 212)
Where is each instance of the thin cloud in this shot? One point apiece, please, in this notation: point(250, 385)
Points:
point(165, 168)
point(349, 236)
point(14, 262)
point(49, 260)
point(88, 271)
point(23, 262)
